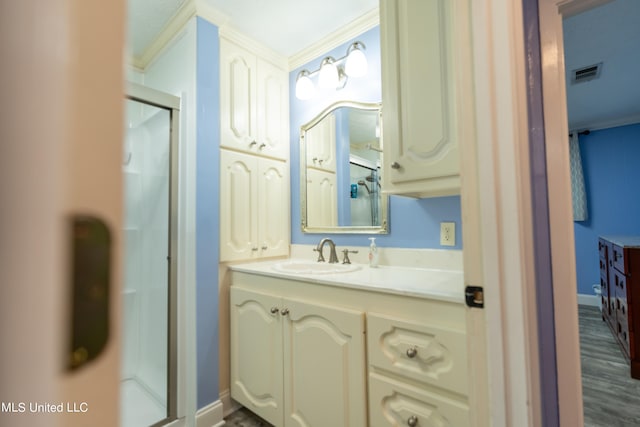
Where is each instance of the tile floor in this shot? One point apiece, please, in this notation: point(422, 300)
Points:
point(244, 418)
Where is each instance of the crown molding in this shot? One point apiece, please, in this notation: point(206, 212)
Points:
point(358, 26)
point(188, 10)
point(568, 8)
point(607, 124)
point(232, 34)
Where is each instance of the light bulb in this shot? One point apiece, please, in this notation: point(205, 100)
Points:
point(304, 86)
point(328, 77)
point(356, 65)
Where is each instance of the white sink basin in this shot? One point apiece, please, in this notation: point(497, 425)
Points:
point(312, 267)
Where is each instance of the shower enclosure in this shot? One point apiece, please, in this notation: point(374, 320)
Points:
point(148, 371)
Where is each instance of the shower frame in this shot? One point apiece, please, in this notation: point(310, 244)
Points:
point(155, 98)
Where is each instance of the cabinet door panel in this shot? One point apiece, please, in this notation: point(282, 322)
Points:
point(273, 110)
point(238, 203)
point(320, 143)
point(237, 97)
point(256, 353)
point(322, 207)
point(393, 404)
point(433, 355)
point(273, 216)
point(425, 143)
point(324, 359)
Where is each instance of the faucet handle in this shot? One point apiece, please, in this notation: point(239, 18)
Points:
point(320, 256)
point(346, 252)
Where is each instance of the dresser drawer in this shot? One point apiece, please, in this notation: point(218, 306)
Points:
point(602, 248)
point(619, 285)
point(623, 335)
point(618, 258)
point(393, 404)
point(422, 353)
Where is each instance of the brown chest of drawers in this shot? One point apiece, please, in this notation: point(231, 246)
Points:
point(620, 283)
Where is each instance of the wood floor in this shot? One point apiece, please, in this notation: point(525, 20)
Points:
point(611, 397)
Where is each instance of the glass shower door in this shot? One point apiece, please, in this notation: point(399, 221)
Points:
point(146, 364)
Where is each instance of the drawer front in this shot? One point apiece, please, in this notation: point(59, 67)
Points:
point(432, 355)
point(623, 334)
point(602, 248)
point(618, 258)
point(605, 295)
point(393, 403)
point(620, 285)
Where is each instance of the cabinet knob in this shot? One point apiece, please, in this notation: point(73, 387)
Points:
point(253, 143)
point(284, 311)
point(274, 310)
point(395, 165)
point(264, 248)
point(412, 352)
point(412, 421)
point(262, 146)
point(254, 249)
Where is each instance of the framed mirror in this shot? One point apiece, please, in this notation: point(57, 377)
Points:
point(340, 171)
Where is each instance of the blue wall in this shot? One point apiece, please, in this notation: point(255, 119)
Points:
point(412, 223)
point(610, 161)
point(207, 212)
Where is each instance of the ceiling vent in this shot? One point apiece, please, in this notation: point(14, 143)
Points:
point(585, 74)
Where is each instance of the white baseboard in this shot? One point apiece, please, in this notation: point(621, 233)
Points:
point(211, 415)
point(228, 404)
point(585, 299)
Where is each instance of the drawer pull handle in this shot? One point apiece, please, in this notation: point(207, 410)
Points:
point(284, 311)
point(411, 353)
point(412, 421)
point(274, 310)
point(395, 165)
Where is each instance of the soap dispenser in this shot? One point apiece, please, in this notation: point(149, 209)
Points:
point(373, 253)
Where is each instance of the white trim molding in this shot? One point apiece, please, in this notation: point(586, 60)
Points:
point(366, 22)
point(560, 210)
point(211, 415)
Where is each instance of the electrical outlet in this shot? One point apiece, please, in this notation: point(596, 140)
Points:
point(448, 233)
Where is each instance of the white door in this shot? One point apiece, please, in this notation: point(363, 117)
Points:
point(325, 369)
point(61, 156)
point(256, 353)
point(273, 212)
point(238, 206)
point(238, 107)
point(272, 110)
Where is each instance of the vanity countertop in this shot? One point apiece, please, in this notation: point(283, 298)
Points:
point(446, 285)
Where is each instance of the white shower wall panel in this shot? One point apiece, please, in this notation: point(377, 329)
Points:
point(147, 234)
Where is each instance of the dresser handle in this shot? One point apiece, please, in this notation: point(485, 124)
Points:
point(412, 352)
point(412, 421)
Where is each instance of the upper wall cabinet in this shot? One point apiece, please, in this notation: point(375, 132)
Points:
point(254, 103)
point(421, 71)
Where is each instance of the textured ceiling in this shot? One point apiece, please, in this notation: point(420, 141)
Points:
point(146, 19)
point(289, 26)
point(609, 34)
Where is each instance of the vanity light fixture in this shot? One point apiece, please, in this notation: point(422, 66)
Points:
point(332, 74)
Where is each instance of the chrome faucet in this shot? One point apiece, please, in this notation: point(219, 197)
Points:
point(333, 257)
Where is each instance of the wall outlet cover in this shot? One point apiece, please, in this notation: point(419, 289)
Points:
point(448, 233)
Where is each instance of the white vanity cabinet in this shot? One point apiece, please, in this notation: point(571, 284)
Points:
point(297, 363)
point(423, 56)
point(303, 355)
point(254, 206)
point(254, 102)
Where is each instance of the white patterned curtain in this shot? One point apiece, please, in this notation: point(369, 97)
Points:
point(578, 192)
